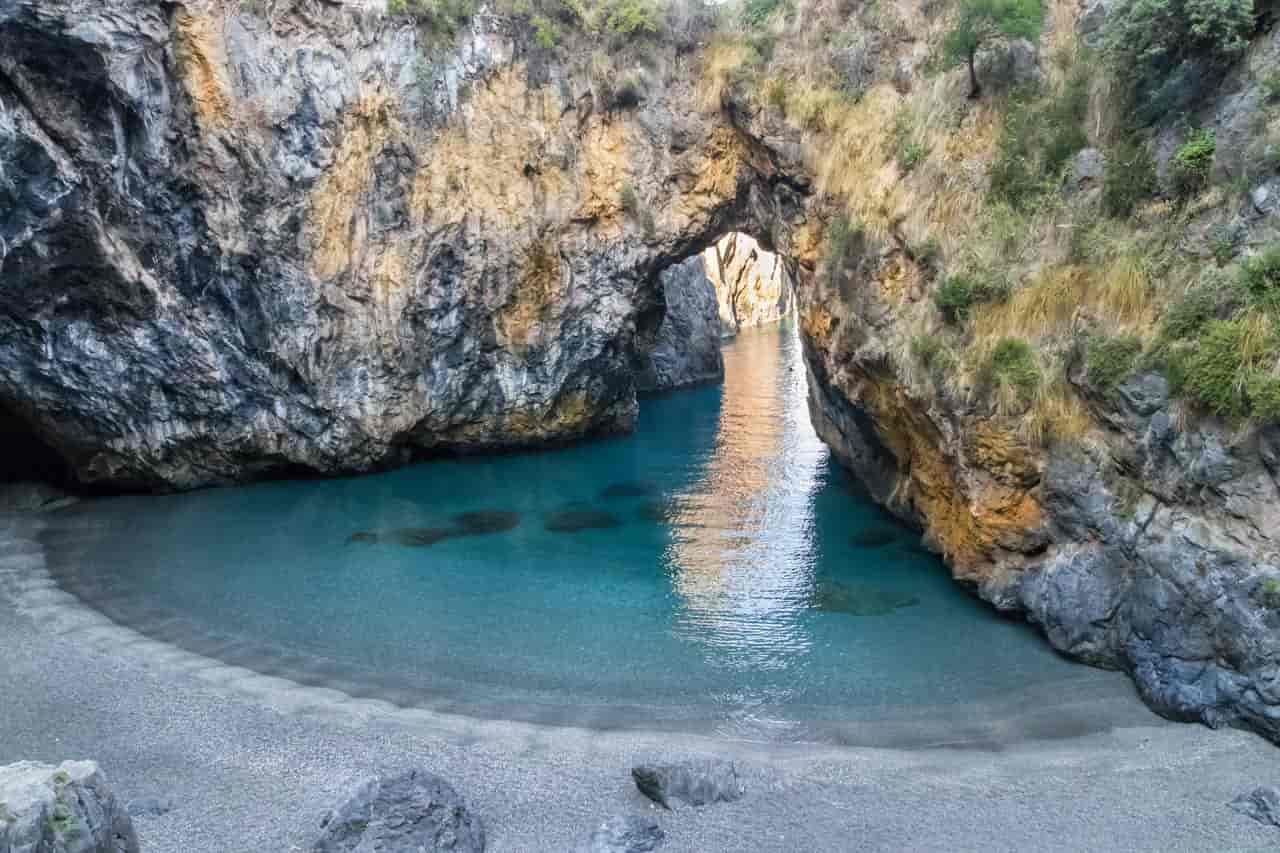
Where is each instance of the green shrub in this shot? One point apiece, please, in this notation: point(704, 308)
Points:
point(1271, 87)
point(545, 31)
point(1012, 372)
point(959, 293)
point(1259, 277)
point(1038, 137)
point(926, 348)
point(1171, 51)
point(1228, 356)
point(629, 200)
point(441, 17)
point(927, 254)
point(1263, 390)
point(1129, 178)
point(1109, 360)
point(903, 145)
point(954, 297)
point(756, 12)
point(1185, 316)
point(1269, 593)
point(626, 18)
point(1191, 163)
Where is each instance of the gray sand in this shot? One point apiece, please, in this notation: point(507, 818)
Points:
point(252, 762)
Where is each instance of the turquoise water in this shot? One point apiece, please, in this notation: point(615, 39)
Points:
point(714, 570)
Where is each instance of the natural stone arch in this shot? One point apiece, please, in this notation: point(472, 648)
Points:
point(322, 259)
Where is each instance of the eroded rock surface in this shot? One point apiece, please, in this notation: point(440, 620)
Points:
point(242, 246)
point(68, 808)
point(753, 286)
point(412, 811)
point(687, 346)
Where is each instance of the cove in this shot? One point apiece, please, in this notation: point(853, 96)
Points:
point(713, 571)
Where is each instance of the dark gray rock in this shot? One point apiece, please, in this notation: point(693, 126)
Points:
point(1089, 24)
point(64, 809)
point(1265, 197)
point(1261, 804)
point(1009, 66)
point(412, 812)
point(692, 783)
point(687, 347)
point(624, 834)
point(1087, 168)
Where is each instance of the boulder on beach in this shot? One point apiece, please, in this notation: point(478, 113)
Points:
point(1261, 804)
point(411, 811)
point(68, 808)
point(691, 783)
point(624, 834)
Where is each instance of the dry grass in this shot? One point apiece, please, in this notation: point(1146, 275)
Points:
point(1123, 296)
point(1044, 307)
point(722, 60)
point(1057, 415)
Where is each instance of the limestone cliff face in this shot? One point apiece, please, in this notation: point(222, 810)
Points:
point(235, 245)
point(686, 346)
point(753, 286)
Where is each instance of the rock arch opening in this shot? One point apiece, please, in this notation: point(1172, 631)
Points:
point(732, 285)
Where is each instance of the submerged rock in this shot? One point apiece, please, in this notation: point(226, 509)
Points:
point(628, 490)
point(413, 812)
point(415, 537)
point(877, 536)
point(64, 809)
point(573, 519)
point(624, 834)
point(692, 783)
point(1261, 804)
point(482, 521)
point(659, 511)
point(859, 599)
point(420, 536)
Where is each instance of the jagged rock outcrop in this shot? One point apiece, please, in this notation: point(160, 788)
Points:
point(64, 809)
point(686, 350)
point(238, 245)
point(753, 286)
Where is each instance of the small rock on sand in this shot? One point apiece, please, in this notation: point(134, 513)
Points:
point(693, 783)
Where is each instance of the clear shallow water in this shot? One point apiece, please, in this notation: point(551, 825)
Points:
point(734, 580)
